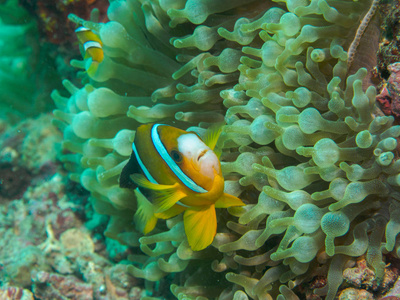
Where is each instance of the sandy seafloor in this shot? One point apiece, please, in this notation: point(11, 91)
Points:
point(51, 242)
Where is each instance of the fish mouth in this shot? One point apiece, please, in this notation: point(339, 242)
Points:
point(202, 153)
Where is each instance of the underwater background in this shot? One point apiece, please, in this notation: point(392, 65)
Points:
point(309, 91)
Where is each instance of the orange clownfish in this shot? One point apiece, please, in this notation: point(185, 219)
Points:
point(92, 47)
point(177, 172)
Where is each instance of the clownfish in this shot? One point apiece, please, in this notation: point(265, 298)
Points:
point(92, 47)
point(177, 172)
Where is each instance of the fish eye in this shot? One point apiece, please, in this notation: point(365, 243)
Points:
point(176, 156)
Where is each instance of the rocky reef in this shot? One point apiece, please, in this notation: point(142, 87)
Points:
point(304, 145)
point(48, 252)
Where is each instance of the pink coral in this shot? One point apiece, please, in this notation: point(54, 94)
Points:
point(58, 287)
point(15, 293)
point(389, 98)
point(362, 276)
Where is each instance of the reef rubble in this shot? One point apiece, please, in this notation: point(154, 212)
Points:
point(47, 252)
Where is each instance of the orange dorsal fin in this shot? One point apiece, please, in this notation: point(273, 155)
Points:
point(212, 134)
point(227, 200)
point(200, 227)
point(163, 196)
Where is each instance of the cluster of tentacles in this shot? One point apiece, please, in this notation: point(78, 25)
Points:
point(303, 145)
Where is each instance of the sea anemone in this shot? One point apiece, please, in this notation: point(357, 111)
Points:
point(304, 146)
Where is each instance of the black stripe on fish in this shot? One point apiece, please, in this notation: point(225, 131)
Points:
point(132, 167)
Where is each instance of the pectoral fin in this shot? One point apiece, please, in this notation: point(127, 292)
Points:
point(144, 218)
point(170, 213)
point(163, 196)
point(93, 68)
point(227, 200)
point(200, 227)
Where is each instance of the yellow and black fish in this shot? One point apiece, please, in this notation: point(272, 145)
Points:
point(92, 48)
point(178, 172)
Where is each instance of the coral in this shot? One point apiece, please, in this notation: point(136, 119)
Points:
point(351, 293)
point(23, 223)
point(66, 263)
point(389, 96)
point(45, 246)
point(73, 253)
point(49, 14)
point(29, 150)
point(55, 286)
point(40, 144)
point(388, 48)
point(362, 276)
point(15, 293)
point(394, 292)
point(304, 146)
point(18, 268)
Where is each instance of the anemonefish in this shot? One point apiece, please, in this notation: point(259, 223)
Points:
point(177, 172)
point(92, 48)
